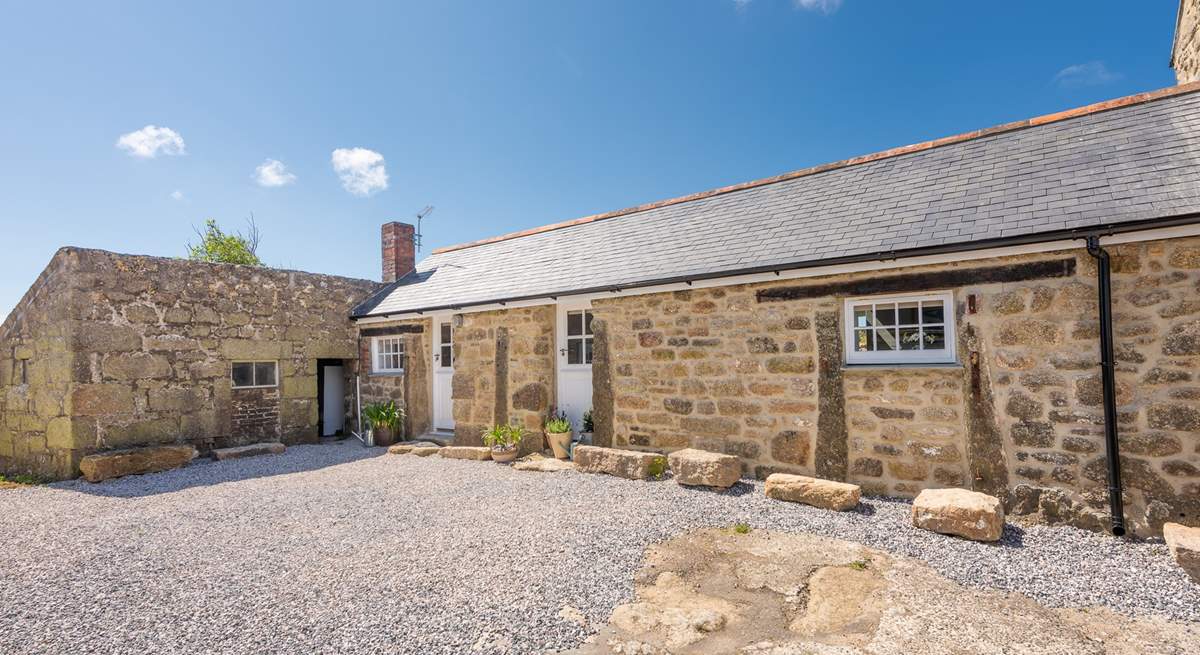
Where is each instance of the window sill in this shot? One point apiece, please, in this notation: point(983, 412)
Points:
point(912, 365)
point(255, 386)
point(386, 374)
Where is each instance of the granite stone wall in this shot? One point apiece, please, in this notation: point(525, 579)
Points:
point(756, 371)
point(1186, 54)
point(137, 351)
point(411, 389)
point(504, 372)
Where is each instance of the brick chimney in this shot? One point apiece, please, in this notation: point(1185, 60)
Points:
point(398, 251)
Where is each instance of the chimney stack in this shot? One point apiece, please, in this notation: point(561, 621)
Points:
point(399, 256)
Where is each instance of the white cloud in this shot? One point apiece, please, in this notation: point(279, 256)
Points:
point(1093, 73)
point(362, 171)
point(273, 173)
point(176, 195)
point(152, 141)
point(823, 6)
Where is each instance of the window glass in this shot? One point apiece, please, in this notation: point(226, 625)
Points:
point(254, 374)
point(243, 374)
point(587, 324)
point(446, 330)
point(389, 354)
point(447, 356)
point(574, 323)
point(574, 351)
point(587, 351)
point(264, 373)
point(899, 330)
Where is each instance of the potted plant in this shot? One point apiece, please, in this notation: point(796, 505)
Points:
point(384, 421)
point(503, 440)
point(585, 435)
point(558, 433)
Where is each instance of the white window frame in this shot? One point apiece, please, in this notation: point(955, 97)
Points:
point(585, 338)
point(254, 374)
point(948, 355)
point(377, 365)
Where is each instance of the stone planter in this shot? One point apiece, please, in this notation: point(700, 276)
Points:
point(560, 443)
point(504, 455)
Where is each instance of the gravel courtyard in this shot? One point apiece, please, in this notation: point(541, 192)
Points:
point(338, 549)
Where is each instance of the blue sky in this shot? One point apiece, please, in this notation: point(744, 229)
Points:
point(325, 121)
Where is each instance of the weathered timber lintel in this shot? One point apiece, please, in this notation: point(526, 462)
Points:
point(911, 282)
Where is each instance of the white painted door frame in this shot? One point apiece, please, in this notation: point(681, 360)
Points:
point(574, 380)
point(442, 375)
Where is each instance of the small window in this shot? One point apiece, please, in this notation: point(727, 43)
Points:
point(900, 329)
point(579, 337)
point(248, 375)
point(388, 354)
point(445, 345)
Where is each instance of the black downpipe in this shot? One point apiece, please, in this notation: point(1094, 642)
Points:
point(1108, 376)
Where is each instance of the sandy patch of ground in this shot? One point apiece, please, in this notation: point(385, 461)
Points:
point(769, 593)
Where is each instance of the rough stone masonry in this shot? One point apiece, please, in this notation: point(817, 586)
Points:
point(109, 351)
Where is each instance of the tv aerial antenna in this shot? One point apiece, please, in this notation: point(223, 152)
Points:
point(421, 215)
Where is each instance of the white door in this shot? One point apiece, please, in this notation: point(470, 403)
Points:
point(333, 402)
point(575, 360)
point(443, 373)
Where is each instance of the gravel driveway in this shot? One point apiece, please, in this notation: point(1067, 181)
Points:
point(339, 549)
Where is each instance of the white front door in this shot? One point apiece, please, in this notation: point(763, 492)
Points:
point(443, 373)
point(575, 360)
point(333, 401)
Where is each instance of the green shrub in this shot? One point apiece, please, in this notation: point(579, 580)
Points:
point(504, 437)
point(558, 424)
point(741, 528)
point(587, 421)
point(383, 415)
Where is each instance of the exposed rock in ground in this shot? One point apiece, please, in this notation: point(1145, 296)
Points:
point(826, 494)
point(118, 463)
point(1184, 543)
point(252, 450)
point(703, 468)
point(536, 462)
point(959, 512)
point(466, 452)
point(764, 593)
point(631, 464)
point(408, 448)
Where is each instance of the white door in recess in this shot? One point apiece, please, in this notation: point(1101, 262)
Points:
point(443, 373)
point(574, 360)
point(333, 401)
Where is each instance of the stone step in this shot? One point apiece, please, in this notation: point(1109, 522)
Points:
point(629, 464)
point(959, 512)
point(703, 468)
point(251, 450)
point(466, 452)
point(826, 494)
point(426, 448)
point(118, 463)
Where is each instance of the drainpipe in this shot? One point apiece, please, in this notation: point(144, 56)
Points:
point(1108, 376)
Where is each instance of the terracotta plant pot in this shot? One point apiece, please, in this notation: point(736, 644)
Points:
point(560, 443)
point(504, 456)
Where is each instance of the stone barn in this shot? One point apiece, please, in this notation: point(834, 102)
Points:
point(1009, 310)
point(109, 351)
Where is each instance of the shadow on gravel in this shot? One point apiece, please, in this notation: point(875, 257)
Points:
point(204, 472)
point(1012, 537)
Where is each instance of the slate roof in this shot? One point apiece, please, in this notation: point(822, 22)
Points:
point(1126, 160)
